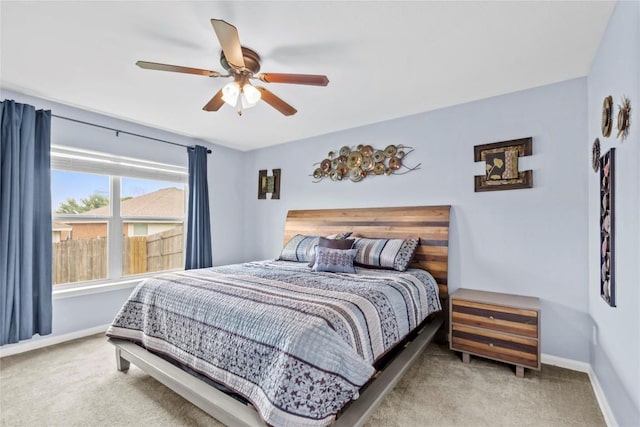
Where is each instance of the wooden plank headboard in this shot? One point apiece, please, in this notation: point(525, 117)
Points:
point(429, 223)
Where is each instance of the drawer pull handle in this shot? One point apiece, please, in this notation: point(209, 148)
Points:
point(490, 344)
point(491, 317)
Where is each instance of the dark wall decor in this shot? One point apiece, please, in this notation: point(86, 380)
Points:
point(269, 184)
point(364, 160)
point(624, 118)
point(607, 116)
point(607, 234)
point(502, 165)
point(595, 153)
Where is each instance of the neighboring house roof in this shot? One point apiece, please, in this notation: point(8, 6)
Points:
point(166, 202)
point(60, 226)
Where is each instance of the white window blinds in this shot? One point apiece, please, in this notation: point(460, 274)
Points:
point(79, 160)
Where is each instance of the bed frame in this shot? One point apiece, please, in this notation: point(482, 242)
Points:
point(429, 223)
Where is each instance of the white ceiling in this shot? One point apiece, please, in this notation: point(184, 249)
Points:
point(383, 59)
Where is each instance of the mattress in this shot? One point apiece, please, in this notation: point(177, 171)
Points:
point(295, 343)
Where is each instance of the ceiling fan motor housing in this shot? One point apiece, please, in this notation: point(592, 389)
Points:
point(251, 61)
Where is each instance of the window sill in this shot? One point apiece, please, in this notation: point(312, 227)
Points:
point(96, 288)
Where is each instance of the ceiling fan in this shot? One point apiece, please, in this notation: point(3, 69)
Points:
point(243, 64)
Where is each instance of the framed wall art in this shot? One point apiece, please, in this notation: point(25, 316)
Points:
point(607, 228)
point(501, 160)
point(269, 184)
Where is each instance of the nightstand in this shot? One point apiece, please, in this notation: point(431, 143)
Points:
point(497, 326)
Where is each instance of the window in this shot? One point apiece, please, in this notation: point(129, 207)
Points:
point(81, 212)
point(114, 216)
point(153, 215)
point(138, 229)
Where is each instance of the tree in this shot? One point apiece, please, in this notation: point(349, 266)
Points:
point(71, 206)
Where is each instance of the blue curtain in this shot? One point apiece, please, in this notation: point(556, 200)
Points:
point(198, 218)
point(25, 222)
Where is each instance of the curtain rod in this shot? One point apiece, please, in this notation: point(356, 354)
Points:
point(118, 131)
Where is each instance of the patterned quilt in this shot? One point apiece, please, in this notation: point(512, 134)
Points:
point(297, 344)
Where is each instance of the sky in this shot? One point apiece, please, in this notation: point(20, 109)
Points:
point(81, 185)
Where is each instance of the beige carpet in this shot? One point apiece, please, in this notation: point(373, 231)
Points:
point(76, 384)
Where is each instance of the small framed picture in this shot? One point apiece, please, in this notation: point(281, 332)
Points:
point(269, 184)
point(501, 170)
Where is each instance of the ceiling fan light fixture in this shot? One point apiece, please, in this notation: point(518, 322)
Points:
point(247, 95)
point(245, 103)
point(230, 93)
point(250, 96)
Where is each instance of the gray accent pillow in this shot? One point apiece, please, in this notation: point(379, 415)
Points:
point(333, 244)
point(334, 260)
point(299, 248)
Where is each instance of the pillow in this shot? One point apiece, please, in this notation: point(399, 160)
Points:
point(334, 260)
point(385, 253)
point(299, 248)
point(339, 235)
point(333, 244)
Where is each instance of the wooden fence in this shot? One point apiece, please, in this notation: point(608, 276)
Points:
point(80, 260)
point(156, 252)
point(134, 255)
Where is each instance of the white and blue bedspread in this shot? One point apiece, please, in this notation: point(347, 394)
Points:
point(297, 344)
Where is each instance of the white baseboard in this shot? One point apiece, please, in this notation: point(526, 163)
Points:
point(21, 347)
point(576, 365)
point(609, 418)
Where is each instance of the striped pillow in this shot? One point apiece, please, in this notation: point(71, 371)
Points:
point(385, 253)
point(334, 260)
point(300, 248)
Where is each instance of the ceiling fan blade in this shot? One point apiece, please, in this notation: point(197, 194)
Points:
point(230, 42)
point(276, 102)
point(298, 79)
point(176, 68)
point(215, 103)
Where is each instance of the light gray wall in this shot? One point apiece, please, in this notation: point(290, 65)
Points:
point(541, 241)
point(225, 184)
point(615, 354)
point(529, 242)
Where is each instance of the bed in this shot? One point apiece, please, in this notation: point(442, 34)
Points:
point(361, 331)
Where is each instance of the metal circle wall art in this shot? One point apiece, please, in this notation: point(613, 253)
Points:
point(354, 160)
point(362, 161)
point(624, 118)
point(595, 151)
point(607, 116)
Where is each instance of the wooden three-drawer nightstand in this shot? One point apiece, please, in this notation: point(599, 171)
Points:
point(497, 326)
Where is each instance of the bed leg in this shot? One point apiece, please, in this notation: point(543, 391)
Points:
point(121, 363)
point(466, 358)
